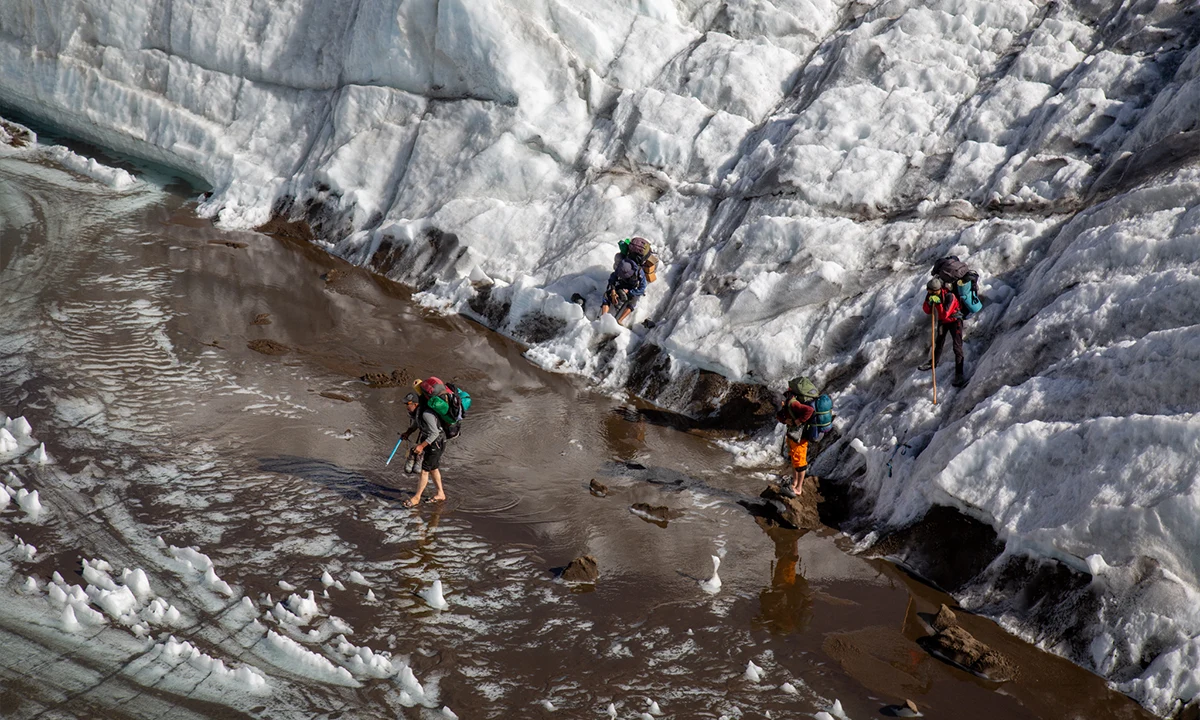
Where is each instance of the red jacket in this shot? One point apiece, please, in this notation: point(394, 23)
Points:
point(794, 413)
point(948, 310)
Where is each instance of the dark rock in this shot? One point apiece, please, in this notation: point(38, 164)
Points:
point(793, 512)
point(945, 619)
point(581, 569)
point(598, 489)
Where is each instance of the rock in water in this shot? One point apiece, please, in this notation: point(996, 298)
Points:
point(657, 514)
point(959, 647)
point(945, 619)
point(598, 488)
point(581, 569)
point(798, 513)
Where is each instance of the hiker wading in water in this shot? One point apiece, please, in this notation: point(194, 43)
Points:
point(431, 443)
point(949, 320)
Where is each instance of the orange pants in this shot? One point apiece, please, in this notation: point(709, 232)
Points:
point(798, 452)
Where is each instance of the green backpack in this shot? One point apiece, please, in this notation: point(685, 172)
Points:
point(803, 389)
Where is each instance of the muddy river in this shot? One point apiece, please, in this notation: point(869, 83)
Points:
point(205, 387)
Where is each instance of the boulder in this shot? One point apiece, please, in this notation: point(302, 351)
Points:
point(581, 569)
point(798, 513)
point(944, 619)
point(598, 488)
point(959, 647)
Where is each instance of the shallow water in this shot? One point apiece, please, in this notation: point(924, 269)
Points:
point(125, 338)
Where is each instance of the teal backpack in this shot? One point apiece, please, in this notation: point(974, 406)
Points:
point(822, 419)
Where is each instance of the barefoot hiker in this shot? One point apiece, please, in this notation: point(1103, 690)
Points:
point(436, 409)
point(807, 415)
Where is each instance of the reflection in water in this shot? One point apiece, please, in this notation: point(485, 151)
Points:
point(786, 606)
point(625, 433)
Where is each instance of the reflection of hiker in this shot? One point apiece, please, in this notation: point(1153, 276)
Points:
point(807, 415)
point(437, 414)
point(787, 605)
point(634, 266)
point(949, 320)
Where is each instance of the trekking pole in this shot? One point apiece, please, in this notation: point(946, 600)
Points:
point(933, 351)
point(398, 443)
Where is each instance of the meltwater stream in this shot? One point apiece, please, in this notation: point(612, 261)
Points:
point(201, 389)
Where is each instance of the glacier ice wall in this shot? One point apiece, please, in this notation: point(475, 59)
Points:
point(798, 164)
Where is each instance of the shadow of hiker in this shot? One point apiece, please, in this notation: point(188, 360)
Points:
point(349, 484)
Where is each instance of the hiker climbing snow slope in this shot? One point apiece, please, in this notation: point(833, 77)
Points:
point(634, 267)
point(948, 321)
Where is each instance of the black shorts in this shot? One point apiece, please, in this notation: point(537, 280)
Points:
point(619, 298)
point(432, 458)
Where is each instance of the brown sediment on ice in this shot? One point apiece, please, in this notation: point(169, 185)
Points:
point(281, 227)
point(336, 396)
point(229, 243)
point(268, 347)
point(944, 547)
point(14, 135)
point(261, 319)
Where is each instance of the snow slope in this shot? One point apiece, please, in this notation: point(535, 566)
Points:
point(798, 164)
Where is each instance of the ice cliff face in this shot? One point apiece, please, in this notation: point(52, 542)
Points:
point(798, 164)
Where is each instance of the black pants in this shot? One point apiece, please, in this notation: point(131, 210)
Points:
point(955, 329)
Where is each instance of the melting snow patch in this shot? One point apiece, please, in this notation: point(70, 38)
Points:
point(294, 657)
point(433, 596)
point(753, 672)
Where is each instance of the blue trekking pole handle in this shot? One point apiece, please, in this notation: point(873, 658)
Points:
point(389, 460)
